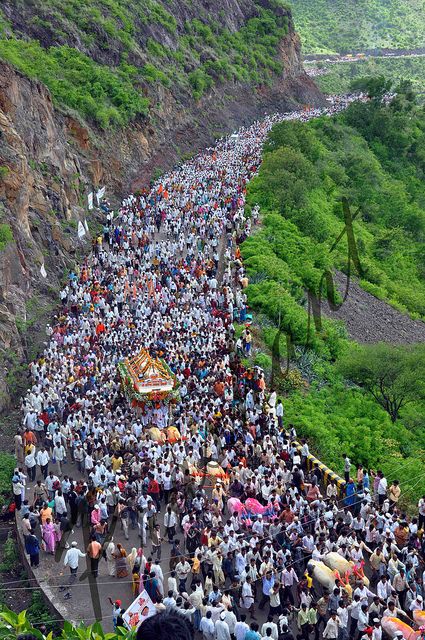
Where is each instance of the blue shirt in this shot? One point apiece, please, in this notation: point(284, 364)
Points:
point(267, 586)
point(252, 635)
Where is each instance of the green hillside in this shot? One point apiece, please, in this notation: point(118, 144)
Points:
point(370, 161)
point(340, 26)
point(101, 58)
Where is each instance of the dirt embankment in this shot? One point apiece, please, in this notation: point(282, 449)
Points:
point(369, 320)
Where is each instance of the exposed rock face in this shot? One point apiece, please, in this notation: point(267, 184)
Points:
point(53, 162)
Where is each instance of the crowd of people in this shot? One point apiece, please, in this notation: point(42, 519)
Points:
point(234, 526)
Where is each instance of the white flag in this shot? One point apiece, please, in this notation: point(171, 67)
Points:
point(86, 226)
point(81, 230)
point(43, 271)
point(100, 194)
point(90, 200)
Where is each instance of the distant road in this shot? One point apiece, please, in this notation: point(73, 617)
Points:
point(358, 56)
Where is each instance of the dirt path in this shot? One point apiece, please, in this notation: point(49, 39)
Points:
point(370, 320)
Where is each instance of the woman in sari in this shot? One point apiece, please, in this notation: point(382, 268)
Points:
point(121, 567)
point(48, 531)
point(131, 559)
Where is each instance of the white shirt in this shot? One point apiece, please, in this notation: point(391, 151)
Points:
point(60, 506)
point(273, 627)
point(222, 631)
point(240, 630)
point(207, 626)
point(42, 458)
point(72, 557)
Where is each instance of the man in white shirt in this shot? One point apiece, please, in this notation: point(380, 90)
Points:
point(42, 460)
point(182, 571)
point(331, 630)
point(72, 558)
point(207, 626)
point(241, 628)
point(60, 505)
point(270, 625)
point(382, 488)
point(342, 613)
point(18, 487)
point(222, 631)
point(59, 454)
point(51, 482)
point(383, 588)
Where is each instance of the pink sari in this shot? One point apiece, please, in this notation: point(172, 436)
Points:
point(49, 537)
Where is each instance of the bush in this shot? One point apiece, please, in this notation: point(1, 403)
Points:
point(200, 81)
point(13, 625)
point(6, 235)
point(263, 360)
point(10, 555)
point(7, 465)
point(99, 93)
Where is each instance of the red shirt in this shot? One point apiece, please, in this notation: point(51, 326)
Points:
point(153, 486)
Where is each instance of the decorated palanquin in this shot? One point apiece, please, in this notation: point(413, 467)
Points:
point(147, 381)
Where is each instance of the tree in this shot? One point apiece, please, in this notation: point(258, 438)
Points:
point(393, 375)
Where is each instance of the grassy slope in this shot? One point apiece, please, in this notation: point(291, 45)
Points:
point(341, 26)
point(99, 57)
point(305, 170)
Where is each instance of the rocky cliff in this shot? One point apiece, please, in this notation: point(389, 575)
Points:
point(50, 159)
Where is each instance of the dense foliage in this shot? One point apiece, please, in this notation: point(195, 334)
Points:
point(12, 625)
point(328, 26)
point(373, 156)
point(336, 419)
point(7, 465)
point(393, 376)
point(338, 77)
point(367, 165)
point(99, 58)
point(104, 95)
point(6, 235)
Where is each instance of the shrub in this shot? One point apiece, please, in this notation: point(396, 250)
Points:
point(263, 360)
point(152, 74)
point(10, 555)
point(200, 81)
point(6, 235)
point(99, 93)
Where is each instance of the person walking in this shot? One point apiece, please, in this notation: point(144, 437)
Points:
point(32, 547)
point(182, 571)
point(331, 631)
point(71, 560)
point(94, 552)
point(18, 487)
point(59, 454)
point(43, 461)
point(31, 464)
point(170, 522)
point(156, 542)
point(222, 631)
point(207, 626)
